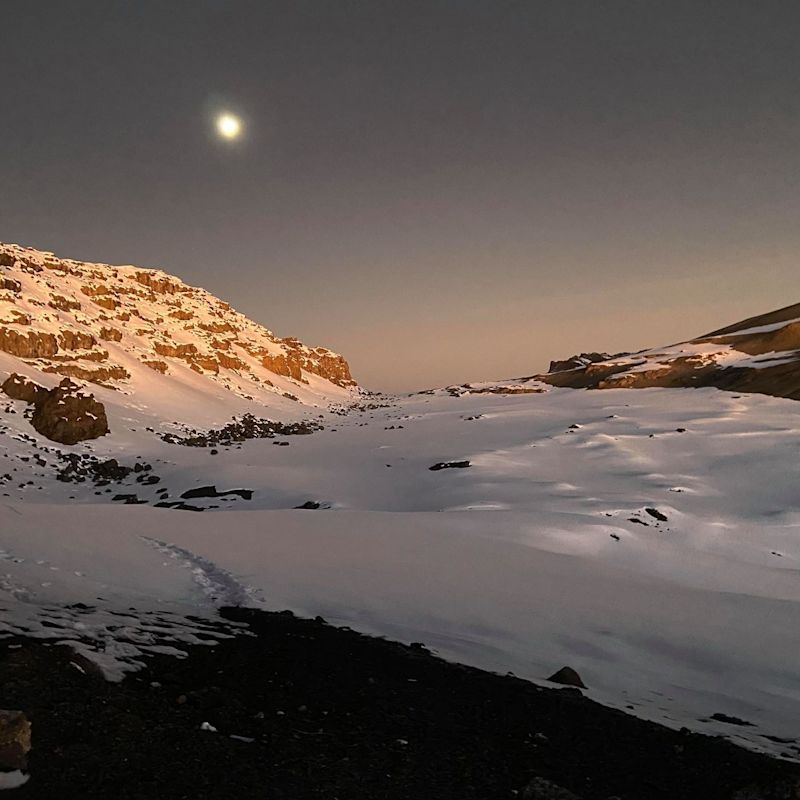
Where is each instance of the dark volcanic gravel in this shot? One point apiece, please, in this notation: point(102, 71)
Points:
point(332, 714)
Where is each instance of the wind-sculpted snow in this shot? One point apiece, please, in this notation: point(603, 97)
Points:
point(648, 539)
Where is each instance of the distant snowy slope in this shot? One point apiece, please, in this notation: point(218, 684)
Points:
point(760, 354)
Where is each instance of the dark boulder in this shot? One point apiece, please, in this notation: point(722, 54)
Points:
point(18, 387)
point(211, 491)
point(15, 740)
point(111, 470)
point(68, 416)
point(567, 676)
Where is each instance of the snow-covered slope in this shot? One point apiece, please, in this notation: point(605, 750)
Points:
point(649, 539)
point(761, 354)
point(150, 340)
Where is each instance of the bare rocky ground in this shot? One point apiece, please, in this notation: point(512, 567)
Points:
point(305, 710)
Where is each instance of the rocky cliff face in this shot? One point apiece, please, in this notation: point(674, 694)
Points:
point(112, 326)
point(760, 354)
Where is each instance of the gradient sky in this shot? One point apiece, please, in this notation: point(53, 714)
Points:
point(441, 191)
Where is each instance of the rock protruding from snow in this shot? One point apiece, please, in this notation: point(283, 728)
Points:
point(63, 414)
point(581, 360)
point(567, 676)
point(68, 416)
point(15, 740)
point(18, 387)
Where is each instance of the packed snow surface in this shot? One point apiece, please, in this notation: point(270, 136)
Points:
point(650, 539)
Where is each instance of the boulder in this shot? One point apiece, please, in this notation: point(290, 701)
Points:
point(211, 491)
point(18, 387)
point(567, 676)
point(449, 465)
point(15, 740)
point(68, 416)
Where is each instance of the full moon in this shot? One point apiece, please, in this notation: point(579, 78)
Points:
point(229, 126)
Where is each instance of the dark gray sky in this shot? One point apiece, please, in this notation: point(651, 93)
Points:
point(442, 191)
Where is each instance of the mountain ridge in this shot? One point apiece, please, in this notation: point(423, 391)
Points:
point(124, 327)
point(760, 354)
